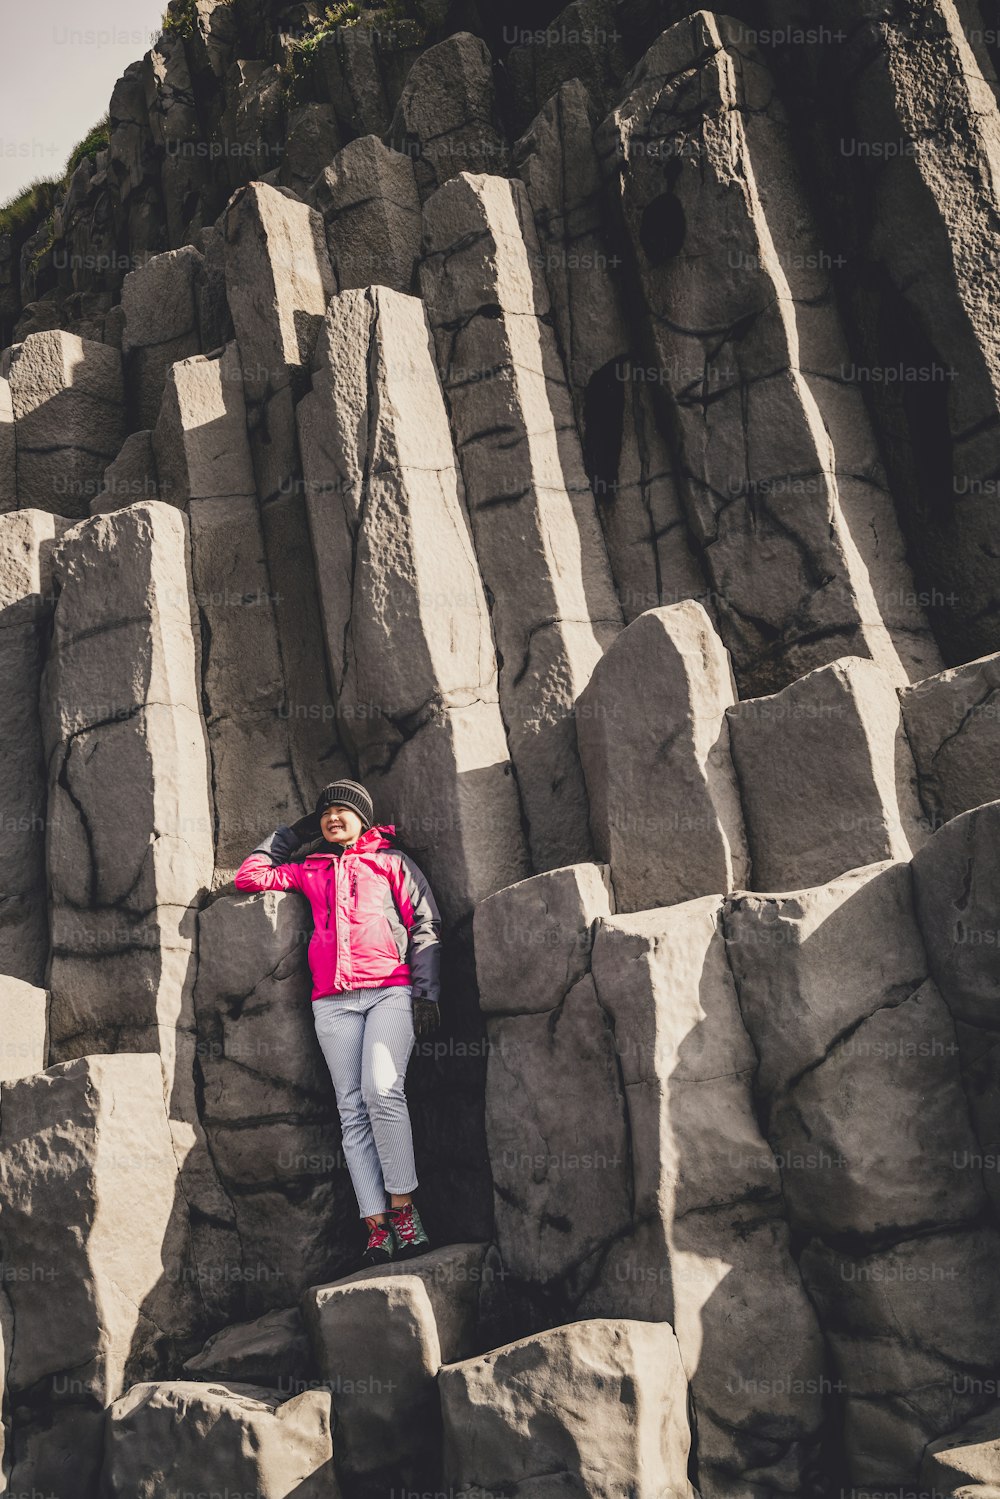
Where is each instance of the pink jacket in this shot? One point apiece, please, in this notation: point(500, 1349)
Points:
point(376, 921)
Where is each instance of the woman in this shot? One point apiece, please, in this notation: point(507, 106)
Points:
point(375, 962)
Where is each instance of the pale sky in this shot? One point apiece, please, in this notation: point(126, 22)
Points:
point(59, 61)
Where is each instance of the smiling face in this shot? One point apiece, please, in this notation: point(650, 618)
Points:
point(341, 825)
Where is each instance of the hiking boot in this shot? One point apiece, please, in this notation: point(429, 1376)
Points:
point(411, 1239)
point(381, 1246)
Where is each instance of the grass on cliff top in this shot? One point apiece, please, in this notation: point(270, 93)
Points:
point(350, 13)
point(390, 13)
point(182, 18)
point(28, 209)
point(95, 140)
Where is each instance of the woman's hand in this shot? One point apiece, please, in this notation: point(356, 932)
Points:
point(279, 845)
point(426, 1016)
point(307, 829)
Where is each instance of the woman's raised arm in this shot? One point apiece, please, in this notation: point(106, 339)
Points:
point(266, 869)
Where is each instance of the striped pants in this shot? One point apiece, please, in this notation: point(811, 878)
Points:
point(367, 1037)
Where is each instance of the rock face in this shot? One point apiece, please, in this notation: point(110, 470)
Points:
point(381, 1337)
point(24, 1046)
point(827, 776)
point(538, 541)
point(273, 1350)
point(278, 283)
point(664, 805)
point(129, 846)
point(96, 1225)
point(769, 460)
point(267, 1104)
point(27, 539)
point(160, 305)
point(371, 208)
point(607, 1409)
point(69, 420)
point(278, 1448)
point(628, 461)
point(580, 428)
point(446, 116)
point(395, 560)
point(953, 727)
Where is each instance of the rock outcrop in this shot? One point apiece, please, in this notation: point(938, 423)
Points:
point(580, 427)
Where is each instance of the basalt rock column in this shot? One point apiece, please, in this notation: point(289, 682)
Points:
point(805, 556)
point(956, 878)
point(538, 540)
point(267, 1103)
point(370, 206)
point(608, 1413)
point(94, 1210)
point(403, 1321)
point(919, 279)
point(203, 460)
point(953, 726)
point(160, 305)
point(69, 419)
point(278, 282)
point(24, 1031)
point(27, 538)
point(826, 776)
point(651, 725)
point(219, 1435)
point(446, 118)
point(864, 1103)
point(629, 464)
point(708, 1247)
point(407, 626)
point(8, 449)
point(129, 841)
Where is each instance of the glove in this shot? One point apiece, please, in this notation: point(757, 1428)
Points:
point(307, 829)
point(426, 1016)
point(279, 845)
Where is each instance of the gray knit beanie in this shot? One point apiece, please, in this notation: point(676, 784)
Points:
point(347, 794)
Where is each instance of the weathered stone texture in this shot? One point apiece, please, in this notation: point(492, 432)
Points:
point(371, 208)
point(8, 449)
point(272, 1350)
point(599, 1407)
point(200, 433)
point(956, 880)
point(94, 1214)
point(380, 1337)
point(533, 940)
point(227, 1432)
point(953, 725)
point(278, 282)
point(27, 539)
point(160, 306)
point(826, 776)
point(268, 1105)
point(627, 458)
point(538, 541)
point(23, 1029)
point(132, 476)
point(446, 116)
point(799, 550)
point(654, 742)
point(922, 300)
point(709, 1249)
point(405, 615)
point(865, 1104)
point(69, 419)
